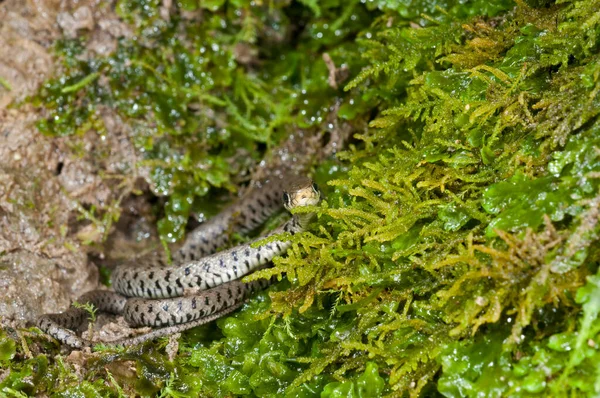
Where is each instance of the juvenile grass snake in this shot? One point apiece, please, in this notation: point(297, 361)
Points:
point(201, 285)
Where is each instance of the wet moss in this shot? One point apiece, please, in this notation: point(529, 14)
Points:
point(457, 248)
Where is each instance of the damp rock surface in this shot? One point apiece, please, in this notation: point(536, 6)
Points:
point(44, 182)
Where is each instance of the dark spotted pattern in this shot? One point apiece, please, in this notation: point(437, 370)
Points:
point(205, 273)
point(185, 309)
point(201, 286)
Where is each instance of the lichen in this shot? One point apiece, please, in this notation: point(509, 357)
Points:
point(456, 250)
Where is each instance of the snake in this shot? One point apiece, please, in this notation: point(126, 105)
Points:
point(201, 284)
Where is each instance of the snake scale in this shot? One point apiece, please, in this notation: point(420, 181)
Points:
point(201, 285)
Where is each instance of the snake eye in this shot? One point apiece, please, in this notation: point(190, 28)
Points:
point(286, 198)
point(315, 187)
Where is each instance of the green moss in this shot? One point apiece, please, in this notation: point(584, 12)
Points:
point(451, 253)
point(520, 202)
point(544, 367)
point(199, 116)
point(7, 349)
point(369, 384)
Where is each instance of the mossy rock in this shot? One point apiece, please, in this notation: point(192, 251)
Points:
point(456, 252)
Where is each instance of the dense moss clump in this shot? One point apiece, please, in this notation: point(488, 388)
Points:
point(457, 248)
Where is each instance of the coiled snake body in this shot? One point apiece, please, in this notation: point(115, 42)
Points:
point(201, 285)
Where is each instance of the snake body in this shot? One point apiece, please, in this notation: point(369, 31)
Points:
point(201, 285)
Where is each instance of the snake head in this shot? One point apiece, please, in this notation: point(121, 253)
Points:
point(301, 192)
